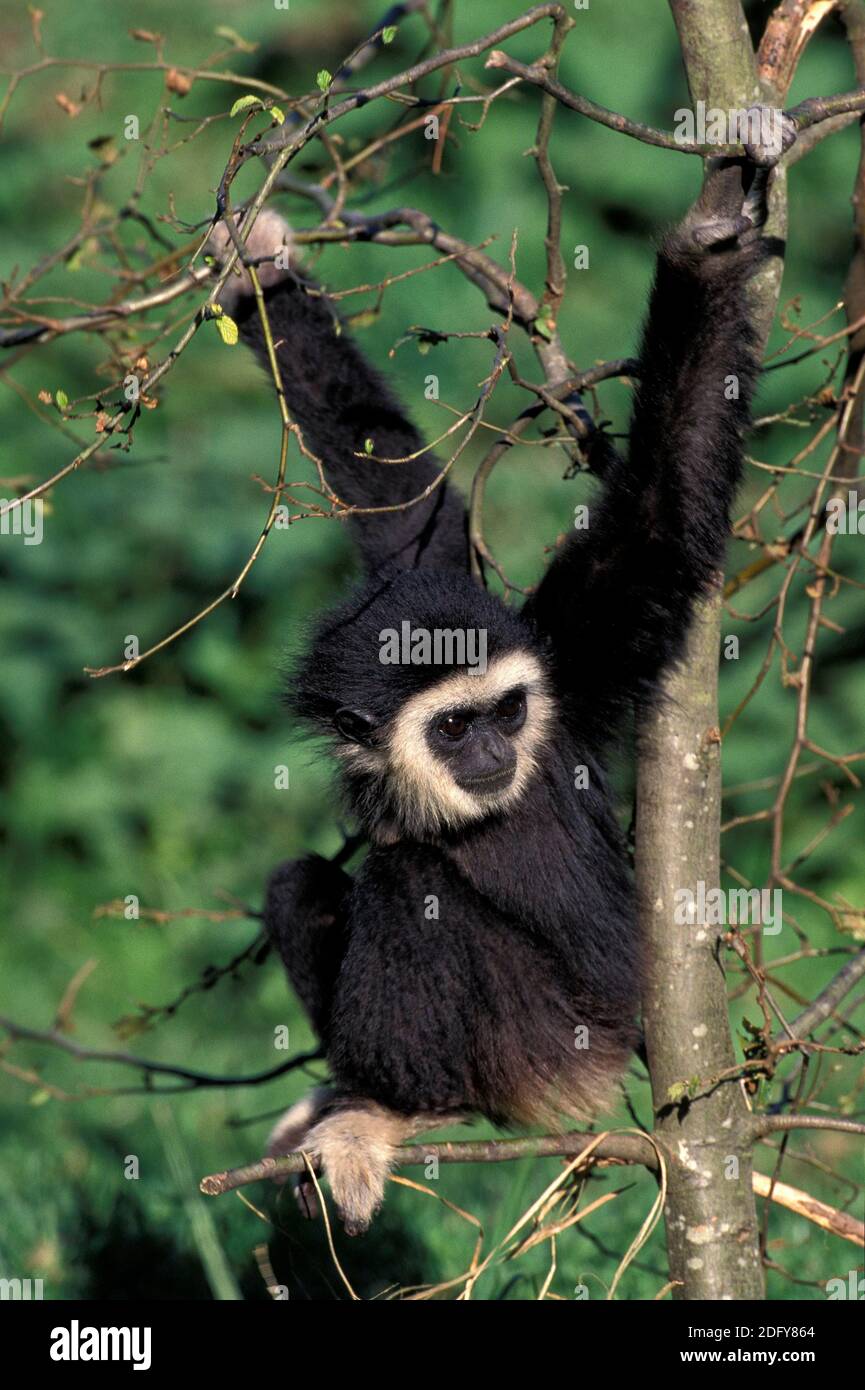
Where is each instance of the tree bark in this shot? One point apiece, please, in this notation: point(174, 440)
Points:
point(710, 1213)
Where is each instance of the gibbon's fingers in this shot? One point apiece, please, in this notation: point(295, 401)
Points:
point(270, 245)
point(776, 133)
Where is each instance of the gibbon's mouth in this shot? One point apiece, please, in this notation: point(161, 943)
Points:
point(489, 784)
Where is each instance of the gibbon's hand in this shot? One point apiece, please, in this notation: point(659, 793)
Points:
point(733, 207)
point(271, 243)
point(777, 133)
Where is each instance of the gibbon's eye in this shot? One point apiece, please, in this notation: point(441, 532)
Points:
point(510, 706)
point(454, 725)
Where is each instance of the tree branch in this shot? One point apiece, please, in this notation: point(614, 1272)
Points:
point(610, 1148)
point(20, 1033)
point(829, 998)
point(776, 1124)
point(807, 114)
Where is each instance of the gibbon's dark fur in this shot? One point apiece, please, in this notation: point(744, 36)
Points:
point(427, 1019)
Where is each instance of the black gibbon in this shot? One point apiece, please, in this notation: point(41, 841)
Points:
point(517, 997)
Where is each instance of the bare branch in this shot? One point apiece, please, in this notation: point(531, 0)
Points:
point(21, 1033)
point(610, 1148)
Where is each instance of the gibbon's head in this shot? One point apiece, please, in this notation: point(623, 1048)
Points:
point(437, 698)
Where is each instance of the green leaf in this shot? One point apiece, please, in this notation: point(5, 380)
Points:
point(278, 114)
point(367, 446)
point(682, 1089)
point(243, 102)
point(40, 1097)
point(323, 79)
point(62, 400)
point(389, 34)
point(227, 329)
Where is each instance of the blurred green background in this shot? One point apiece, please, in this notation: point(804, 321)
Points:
point(161, 783)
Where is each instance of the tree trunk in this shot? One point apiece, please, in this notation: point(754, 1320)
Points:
point(711, 1221)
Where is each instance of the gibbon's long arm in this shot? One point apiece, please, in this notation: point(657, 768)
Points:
point(340, 401)
point(617, 600)
point(305, 916)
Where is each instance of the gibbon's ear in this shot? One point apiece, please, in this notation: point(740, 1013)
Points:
point(355, 726)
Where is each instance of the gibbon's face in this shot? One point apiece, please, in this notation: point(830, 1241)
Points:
point(463, 748)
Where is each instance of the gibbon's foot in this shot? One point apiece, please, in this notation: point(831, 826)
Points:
point(353, 1143)
point(270, 242)
point(355, 1147)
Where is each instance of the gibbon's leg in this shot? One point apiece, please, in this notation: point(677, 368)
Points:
point(304, 916)
point(344, 408)
point(354, 1144)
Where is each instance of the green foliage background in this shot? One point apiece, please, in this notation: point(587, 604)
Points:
point(161, 783)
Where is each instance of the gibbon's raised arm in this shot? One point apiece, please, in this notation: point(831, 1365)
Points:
point(340, 401)
point(617, 600)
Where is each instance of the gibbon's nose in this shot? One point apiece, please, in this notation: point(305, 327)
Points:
point(488, 764)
